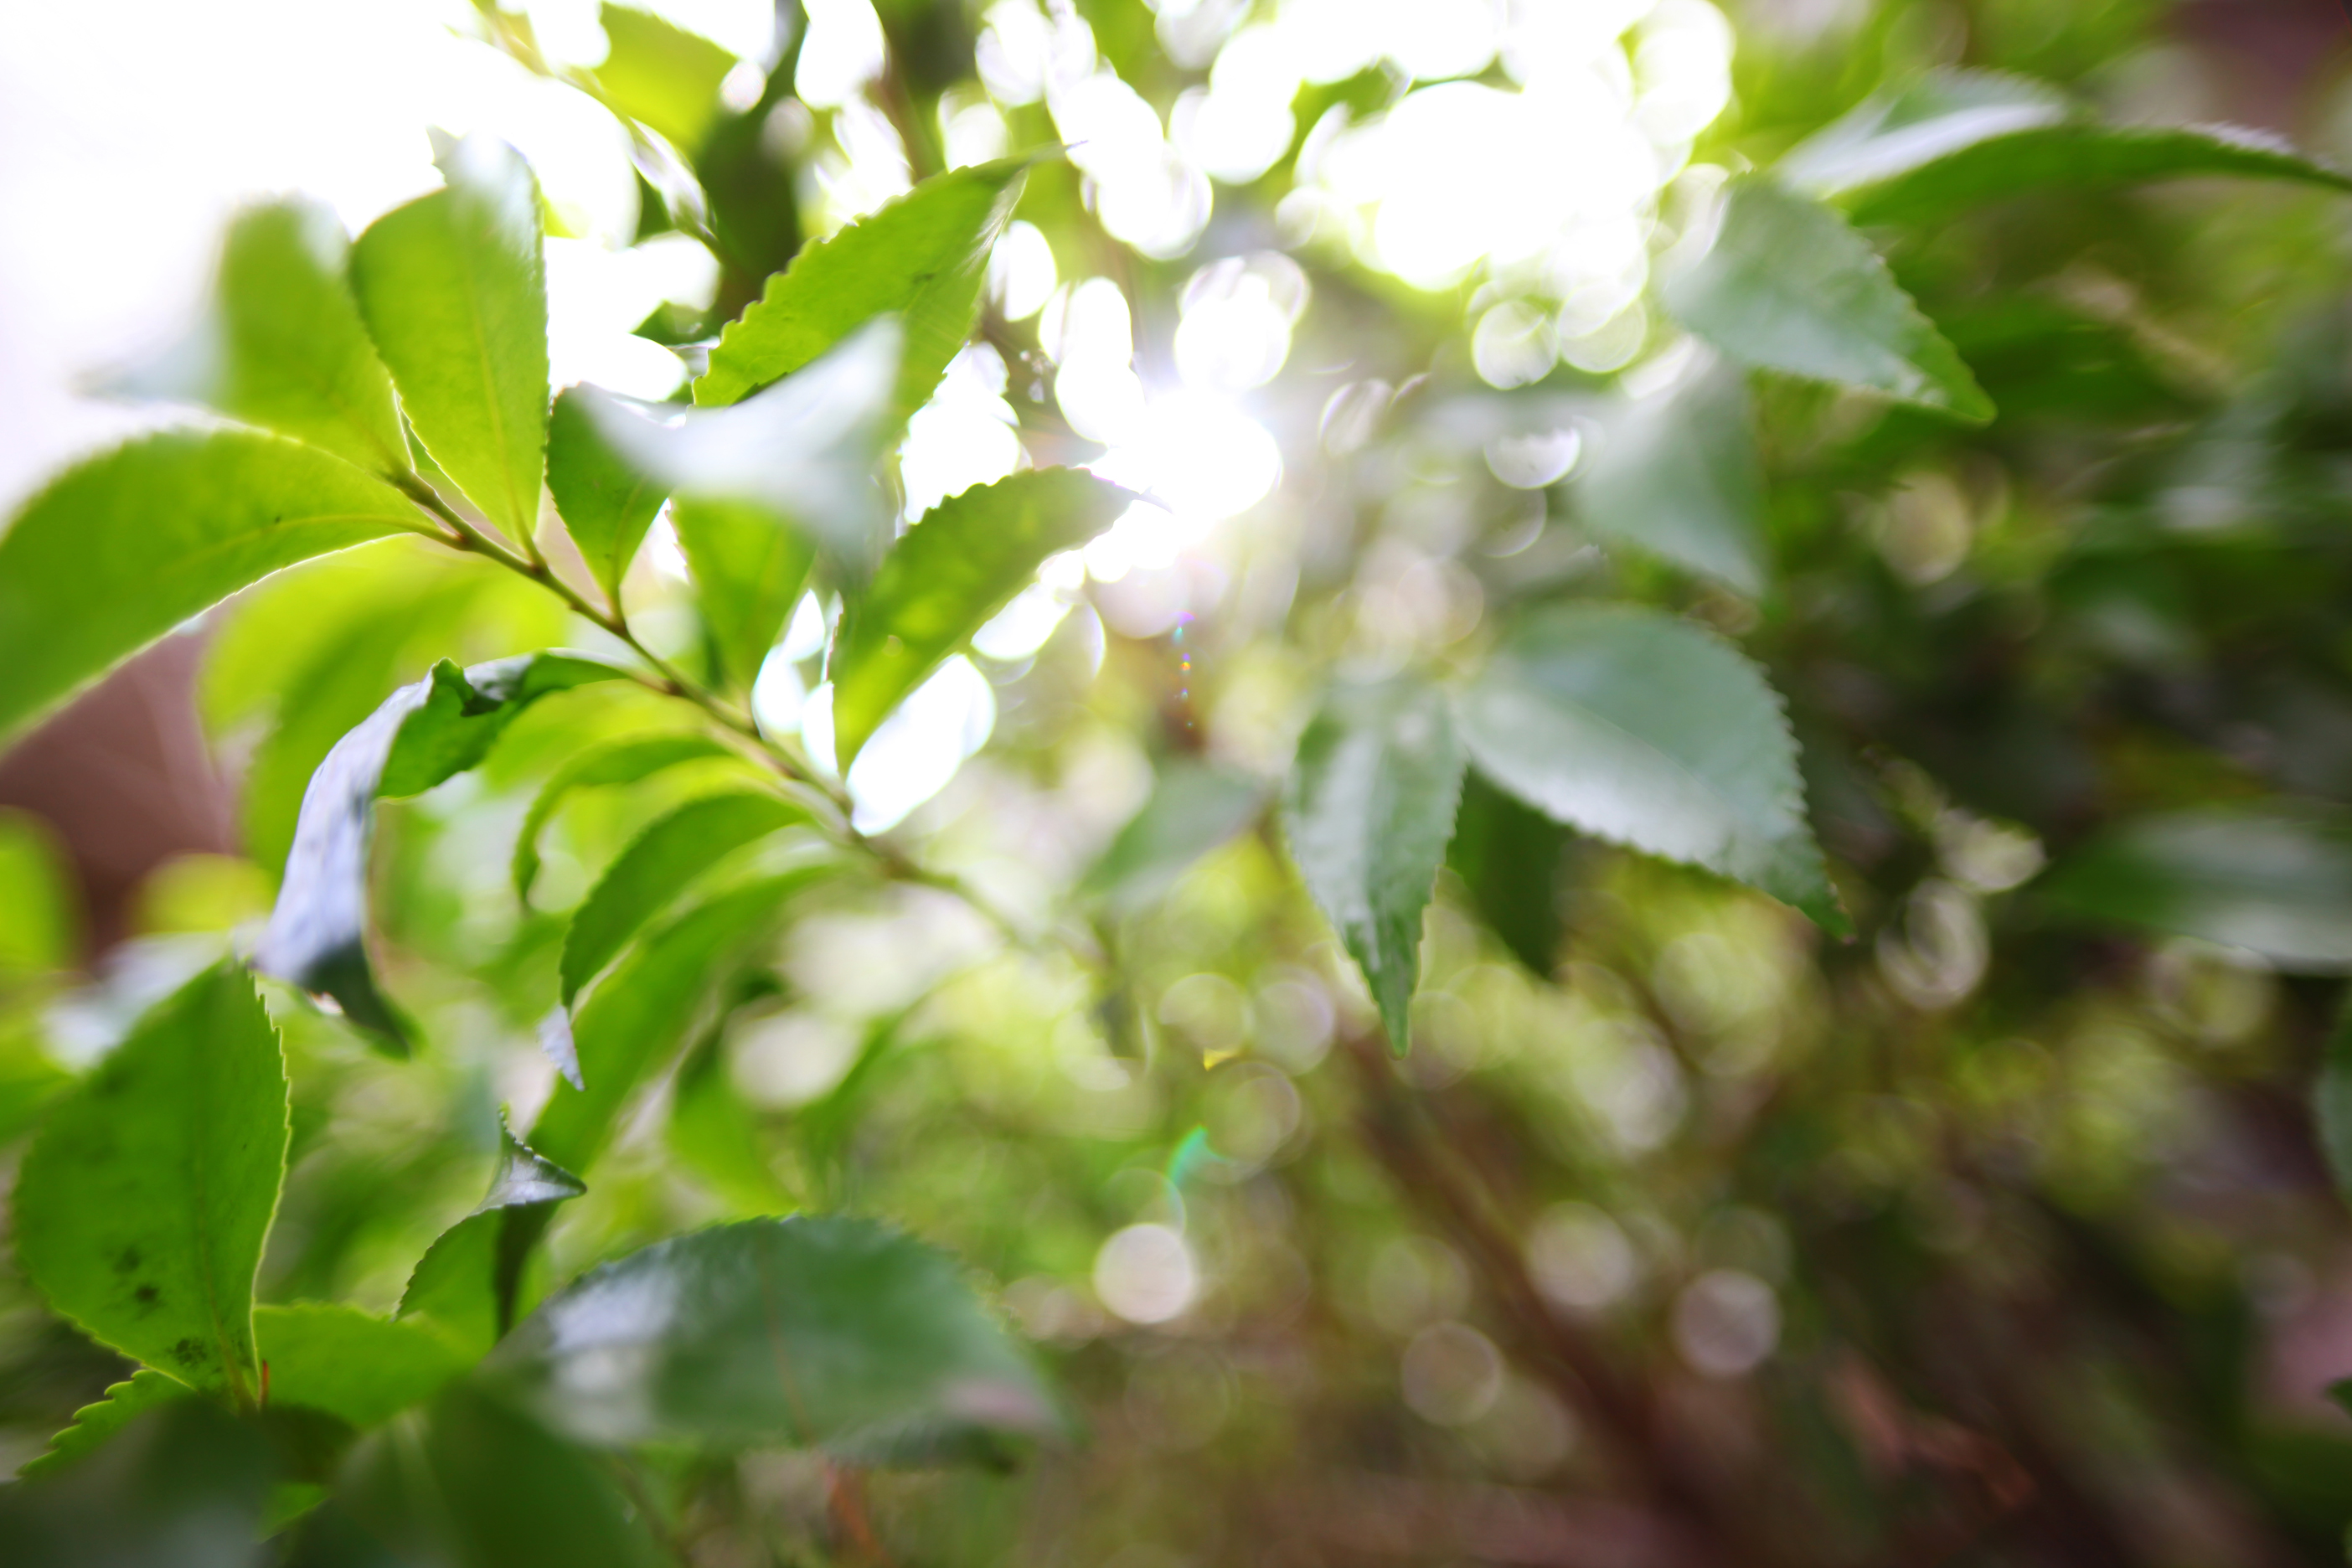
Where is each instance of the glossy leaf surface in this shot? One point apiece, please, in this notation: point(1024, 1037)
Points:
point(627, 759)
point(1194, 806)
point(283, 346)
point(424, 733)
point(922, 257)
point(1789, 286)
point(606, 503)
point(123, 547)
point(943, 581)
point(2275, 880)
point(1893, 133)
point(143, 1206)
point(1676, 476)
point(1368, 811)
point(471, 1281)
point(1642, 729)
point(645, 1007)
point(832, 1331)
point(454, 292)
point(657, 866)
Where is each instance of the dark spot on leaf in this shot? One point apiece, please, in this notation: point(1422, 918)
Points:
point(127, 1261)
point(188, 1352)
point(147, 1295)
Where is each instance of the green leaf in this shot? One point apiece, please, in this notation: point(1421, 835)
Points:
point(1194, 808)
point(2274, 878)
point(661, 76)
point(1893, 132)
point(1643, 730)
point(623, 761)
point(424, 733)
point(181, 1485)
point(1676, 475)
point(40, 915)
point(657, 866)
point(954, 570)
point(808, 1330)
point(353, 1365)
point(474, 1278)
point(473, 1483)
point(1368, 811)
point(923, 258)
point(1789, 286)
point(124, 1403)
point(750, 568)
point(639, 1014)
point(1508, 855)
point(121, 549)
point(141, 1208)
point(1956, 138)
point(606, 503)
point(283, 346)
point(2331, 1102)
point(454, 292)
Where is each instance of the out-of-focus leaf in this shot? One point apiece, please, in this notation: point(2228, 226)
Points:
point(124, 1403)
point(640, 1013)
point(657, 866)
point(40, 917)
point(283, 346)
point(1676, 475)
point(1368, 811)
point(605, 503)
point(353, 1365)
point(623, 761)
point(661, 75)
point(826, 1332)
point(2274, 879)
point(454, 292)
point(1789, 286)
point(29, 1078)
point(473, 1483)
point(141, 1208)
point(802, 451)
point(2331, 1102)
point(714, 1134)
point(1643, 728)
point(1194, 808)
point(1509, 855)
point(750, 568)
point(922, 257)
point(475, 1277)
point(2082, 153)
point(424, 733)
point(121, 549)
point(183, 1485)
point(941, 583)
point(1893, 132)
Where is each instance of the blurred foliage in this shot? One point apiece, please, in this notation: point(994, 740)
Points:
point(2001, 1232)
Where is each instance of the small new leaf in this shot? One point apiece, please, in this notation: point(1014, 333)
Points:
point(1367, 812)
point(471, 1281)
point(454, 292)
point(1789, 286)
point(143, 1206)
point(953, 570)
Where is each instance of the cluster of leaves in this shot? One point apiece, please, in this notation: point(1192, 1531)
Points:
point(1550, 777)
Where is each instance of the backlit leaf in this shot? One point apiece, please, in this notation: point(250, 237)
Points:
point(1789, 286)
point(1194, 808)
point(283, 346)
point(750, 568)
point(943, 581)
point(623, 761)
point(607, 504)
point(657, 866)
point(476, 1277)
point(1368, 811)
point(424, 733)
point(141, 1208)
point(661, 75)
point(454, 292)
point(923, 258)
point(121, 549)
point(1643, 728)
point(808, 1330)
